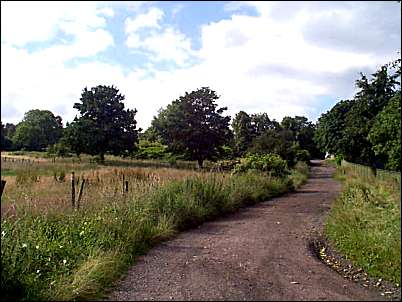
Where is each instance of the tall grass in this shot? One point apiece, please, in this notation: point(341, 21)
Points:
point(68, 254)
point(365, 225)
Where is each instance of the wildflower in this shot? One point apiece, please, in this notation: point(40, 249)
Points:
point(3, 233)
point(61, 246)
point(81, 233)
point(37, 247)
point(85, 223)
point(64, 261)
point(24, 245)
point(37, 271)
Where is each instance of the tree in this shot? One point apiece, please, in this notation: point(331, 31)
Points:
point(385, 134)
point(38, 130)
point(329, 131)
point(303, 133)
point(103, 125)
point(5, 141)
point(243, 132)
point(193, 125)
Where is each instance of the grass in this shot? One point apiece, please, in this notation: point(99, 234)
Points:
point(50, 251)
point(365, 225)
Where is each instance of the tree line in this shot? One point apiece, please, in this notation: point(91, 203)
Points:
point(367, 128)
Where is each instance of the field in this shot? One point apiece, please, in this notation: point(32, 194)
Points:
point(51, 250)
point(365, 223)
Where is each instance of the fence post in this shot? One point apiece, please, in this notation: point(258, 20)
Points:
point(80, 194)
point(72, 189)
point(3, 184)
point(123, 184)
point(126, 188)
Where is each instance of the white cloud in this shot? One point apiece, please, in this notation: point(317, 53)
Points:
point(148, 20)
point(159, 42)
point(277, 62)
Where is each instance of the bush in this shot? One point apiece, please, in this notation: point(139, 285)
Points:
point(338, 159)
point(269, 163)
point(151, 150)
point(303, 155)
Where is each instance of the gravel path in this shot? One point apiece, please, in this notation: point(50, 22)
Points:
point(259, 253)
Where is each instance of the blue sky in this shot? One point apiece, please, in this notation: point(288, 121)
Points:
point(283, 58)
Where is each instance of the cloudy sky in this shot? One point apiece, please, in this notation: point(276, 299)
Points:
point(283, 58)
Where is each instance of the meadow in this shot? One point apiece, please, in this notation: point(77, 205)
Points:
point(51, 250)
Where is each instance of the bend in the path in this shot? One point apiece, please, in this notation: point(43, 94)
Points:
point(258, 253)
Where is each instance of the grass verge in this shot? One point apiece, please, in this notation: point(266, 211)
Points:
point(365, 225)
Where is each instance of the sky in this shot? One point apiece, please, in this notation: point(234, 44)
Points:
point(282, 58)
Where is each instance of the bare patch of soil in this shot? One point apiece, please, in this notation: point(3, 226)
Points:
point(262, 252)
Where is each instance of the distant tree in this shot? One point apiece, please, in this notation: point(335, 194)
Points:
point(5, 141)
point(260, 123)
point(279, 142)
point(243, 132)
point(193, 125)
point(38, 130)
point(9, 130)
point(151, 135)
point(303, 133)
point(103, 125)
point(385, 134)
point(329, 131)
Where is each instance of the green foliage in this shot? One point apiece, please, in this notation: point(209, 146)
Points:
point(151, 150)
point(243, 132)
point(385, 134)
point(38, 129)
point(192, 125)
point(352, 128)
point(104, 125)
point(302, 155)
point(5, 143)
point(269, 163)
point(365, 226)
point(338, 159)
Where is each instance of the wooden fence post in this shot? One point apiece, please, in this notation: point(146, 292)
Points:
point(126, 186)
point(3, 184)
point(80, 194)
point(72, 189)
point(123, 184)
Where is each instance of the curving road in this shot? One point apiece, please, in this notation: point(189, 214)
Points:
point(258, 253)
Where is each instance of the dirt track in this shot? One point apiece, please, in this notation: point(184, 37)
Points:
point(258, 253)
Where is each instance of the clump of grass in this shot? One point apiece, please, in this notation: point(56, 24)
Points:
point(365, 225)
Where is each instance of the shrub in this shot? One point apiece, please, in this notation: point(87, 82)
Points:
point(269, 163)
point(303, 155)
point(338, 159)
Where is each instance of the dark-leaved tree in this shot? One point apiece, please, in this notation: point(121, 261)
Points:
point(103, 125)
point(194, 126)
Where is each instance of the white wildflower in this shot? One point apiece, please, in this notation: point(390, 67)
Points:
point(82, 233)
point(24, 245)
point(64, 261)
point(37, 271)
point(61, 246)
point(37, 247)
point(3, 233)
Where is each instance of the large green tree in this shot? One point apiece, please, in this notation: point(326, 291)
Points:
point(103, 125)
point(385, 134)
point(193, 125)
point(5, 143)
point(329, 131)
point(37, 130)
point(243, 132)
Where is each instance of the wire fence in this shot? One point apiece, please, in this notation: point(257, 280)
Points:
point(371, 173)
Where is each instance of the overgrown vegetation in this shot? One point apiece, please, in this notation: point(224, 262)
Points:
point(365, 225)
point(50, 251)
point(367, 129)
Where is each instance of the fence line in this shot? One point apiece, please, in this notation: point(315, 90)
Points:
point(371, 173)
